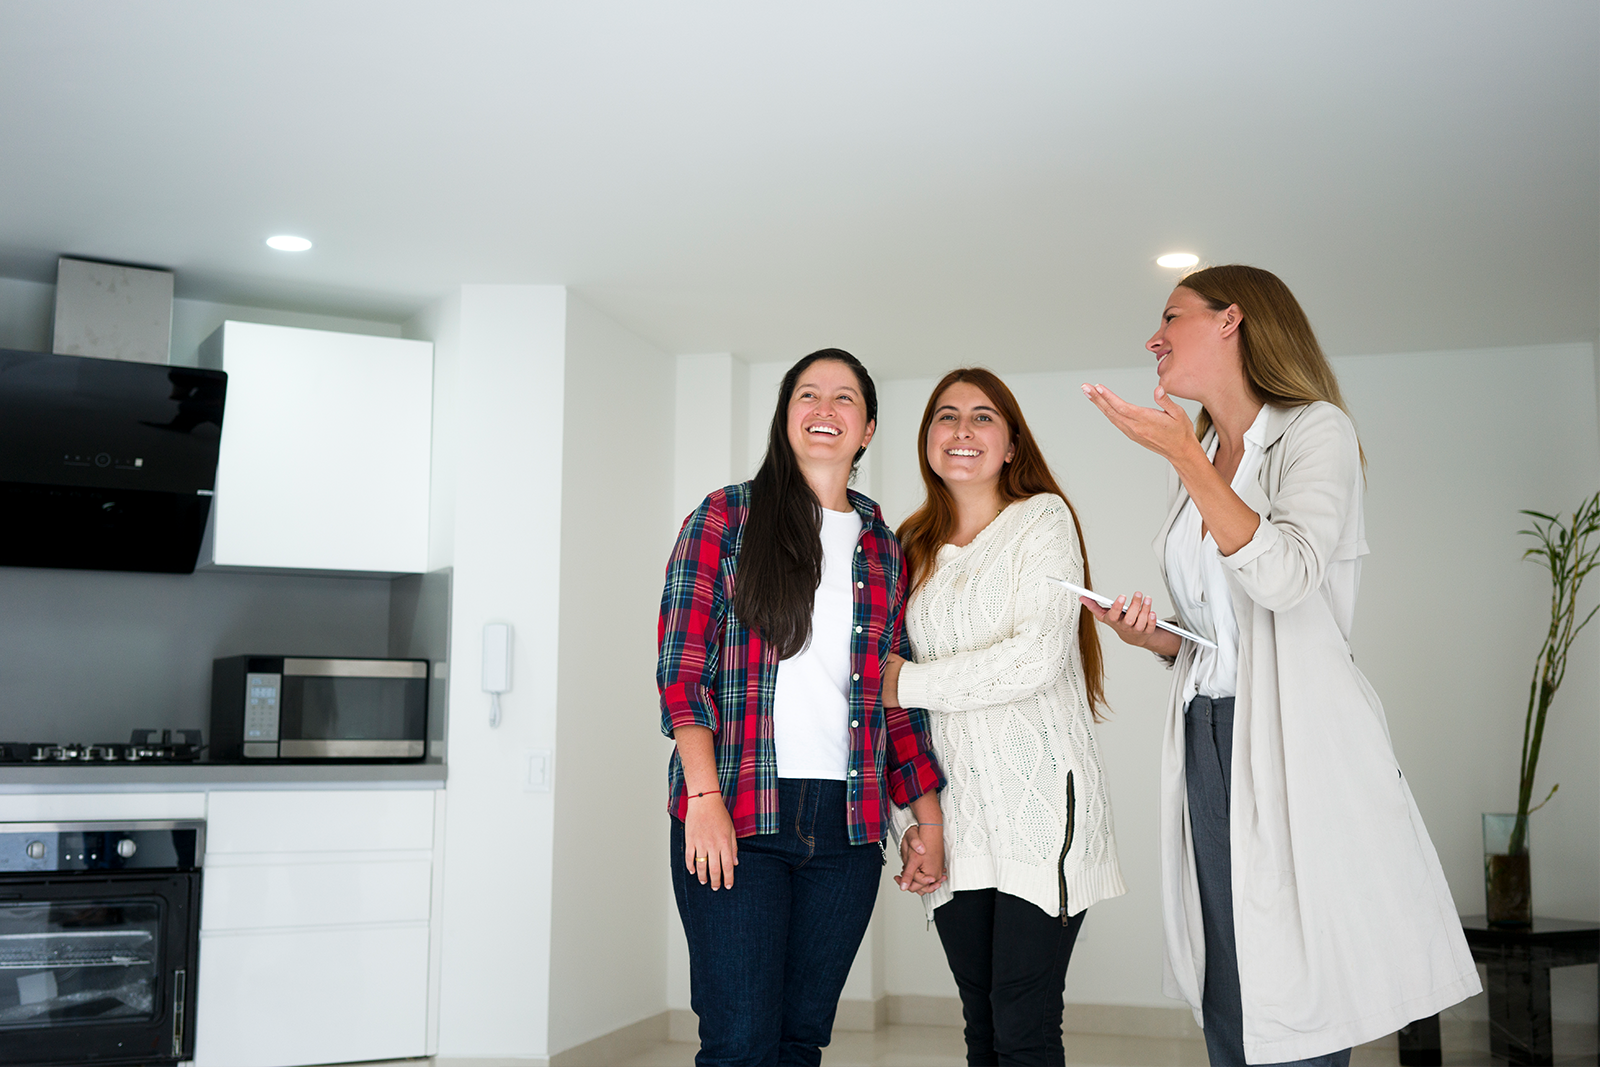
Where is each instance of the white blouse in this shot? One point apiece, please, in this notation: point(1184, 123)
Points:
point(811, 704)
point(1199, 584)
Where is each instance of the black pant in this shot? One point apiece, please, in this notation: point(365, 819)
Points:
point(1010, 964)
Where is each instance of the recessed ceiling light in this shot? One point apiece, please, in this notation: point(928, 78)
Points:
point(285, 243)
point(1178, 260)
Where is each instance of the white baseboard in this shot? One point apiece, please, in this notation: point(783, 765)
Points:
point(618, 1045)
point(1111, 1020)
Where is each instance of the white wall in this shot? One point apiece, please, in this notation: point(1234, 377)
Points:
point(1447, 629)
point(27, 320)
point(608, 953)
point(499, 365)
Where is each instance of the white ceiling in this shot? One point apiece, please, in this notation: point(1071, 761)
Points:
point(922, 183)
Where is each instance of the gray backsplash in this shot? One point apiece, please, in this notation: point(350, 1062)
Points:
point(90, 655)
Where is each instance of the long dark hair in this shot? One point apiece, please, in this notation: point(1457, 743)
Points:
point(1025, 474)
point(780, 560)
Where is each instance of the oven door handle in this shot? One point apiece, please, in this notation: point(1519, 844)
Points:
point(179, 991)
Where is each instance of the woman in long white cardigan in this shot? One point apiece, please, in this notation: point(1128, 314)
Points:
point(1305, 909)
point(1008, 666)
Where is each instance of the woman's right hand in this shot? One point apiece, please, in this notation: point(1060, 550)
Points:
point(922, 867)
point(1134, 620)
point(710, 847)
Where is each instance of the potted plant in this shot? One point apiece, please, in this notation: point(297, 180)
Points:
point(1566, 551)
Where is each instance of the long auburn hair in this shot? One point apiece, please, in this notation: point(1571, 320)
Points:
point(1026, 474)
point(780, 559)
point(1283, 363)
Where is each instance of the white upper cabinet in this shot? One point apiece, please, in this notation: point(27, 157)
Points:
point(325, 450)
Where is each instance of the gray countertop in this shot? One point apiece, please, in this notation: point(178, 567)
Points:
point(182, 777)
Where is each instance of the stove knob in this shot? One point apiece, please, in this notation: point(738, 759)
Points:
point(36, 850)
point(126, 848)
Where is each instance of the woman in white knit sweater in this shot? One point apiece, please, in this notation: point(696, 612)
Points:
point(1010, 669)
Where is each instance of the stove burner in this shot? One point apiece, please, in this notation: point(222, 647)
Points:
point(153, 747)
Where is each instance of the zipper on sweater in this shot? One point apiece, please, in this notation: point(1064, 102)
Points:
point(1061, 865)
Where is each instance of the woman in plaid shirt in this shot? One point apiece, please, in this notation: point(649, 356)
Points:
point(784, 596)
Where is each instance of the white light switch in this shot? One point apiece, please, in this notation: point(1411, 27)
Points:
point(541, 772)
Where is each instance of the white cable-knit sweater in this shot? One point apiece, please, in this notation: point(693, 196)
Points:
point(997, 662)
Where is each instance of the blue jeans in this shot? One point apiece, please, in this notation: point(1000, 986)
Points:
point(769, 957)
point(1208, 769)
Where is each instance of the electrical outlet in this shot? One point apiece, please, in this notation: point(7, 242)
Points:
point(540, 772)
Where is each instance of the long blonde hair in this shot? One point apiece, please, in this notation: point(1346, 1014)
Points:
point(1283, 363)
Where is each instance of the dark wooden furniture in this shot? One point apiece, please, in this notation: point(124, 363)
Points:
point(1519, 961)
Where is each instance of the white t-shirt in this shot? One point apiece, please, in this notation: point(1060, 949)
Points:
point(1199, 582)
point(811, 708)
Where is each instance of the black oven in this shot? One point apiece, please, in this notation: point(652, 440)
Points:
point(99, 935)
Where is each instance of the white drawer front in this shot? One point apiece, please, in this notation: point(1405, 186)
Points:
point(336, 996)
point(100, 807)
point(322, 821)
point(316, 894)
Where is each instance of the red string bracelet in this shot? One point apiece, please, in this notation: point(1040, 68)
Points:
point(697, 796)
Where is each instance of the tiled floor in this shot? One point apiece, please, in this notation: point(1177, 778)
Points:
point(941, 1046)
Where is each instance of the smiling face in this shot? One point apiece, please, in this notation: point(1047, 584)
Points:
point(968, 442)
point(827, 419)
point(1196, 348)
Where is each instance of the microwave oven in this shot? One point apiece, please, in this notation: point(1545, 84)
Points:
point(289, 708)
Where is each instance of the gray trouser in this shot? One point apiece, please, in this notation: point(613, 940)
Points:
point(1208, 767)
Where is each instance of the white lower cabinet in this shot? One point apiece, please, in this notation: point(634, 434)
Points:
point(285, 997)
point(315, 927)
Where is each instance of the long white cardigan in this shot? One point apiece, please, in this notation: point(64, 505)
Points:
point(1345, 927)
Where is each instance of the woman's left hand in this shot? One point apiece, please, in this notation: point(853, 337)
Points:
point(890, 683)
point(922, 859)
point(1166, 431)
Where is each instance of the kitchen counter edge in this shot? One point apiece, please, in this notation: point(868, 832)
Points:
point(171, 777)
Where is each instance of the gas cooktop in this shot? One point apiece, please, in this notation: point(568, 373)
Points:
point(147, 746)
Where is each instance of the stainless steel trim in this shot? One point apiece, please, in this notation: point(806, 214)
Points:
point(179, 981)
point(357, 668)
point(350, 749)
point(199, 827)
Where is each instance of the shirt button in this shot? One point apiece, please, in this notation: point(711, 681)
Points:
point(861, 585)
point(855, 677)
point(858, 629)
point(853, 774)
point(855, 722)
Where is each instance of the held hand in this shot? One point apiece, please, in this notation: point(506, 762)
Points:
point(922, 858)
point(1165, 430)
point(1132, 618)
point(710, 848)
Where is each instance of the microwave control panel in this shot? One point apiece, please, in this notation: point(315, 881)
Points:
point(262, 701)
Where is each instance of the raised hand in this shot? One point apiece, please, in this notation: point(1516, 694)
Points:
point(1165, 430)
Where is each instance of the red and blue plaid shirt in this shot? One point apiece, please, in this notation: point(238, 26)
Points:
point(714, 672)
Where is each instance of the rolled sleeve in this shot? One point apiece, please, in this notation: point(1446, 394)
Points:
point(913, 770)
point(1306, 522)
point(689, 628)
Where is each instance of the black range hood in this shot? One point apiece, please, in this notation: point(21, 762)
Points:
point(106, 464)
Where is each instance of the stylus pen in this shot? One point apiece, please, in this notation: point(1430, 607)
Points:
point(1106, 602)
